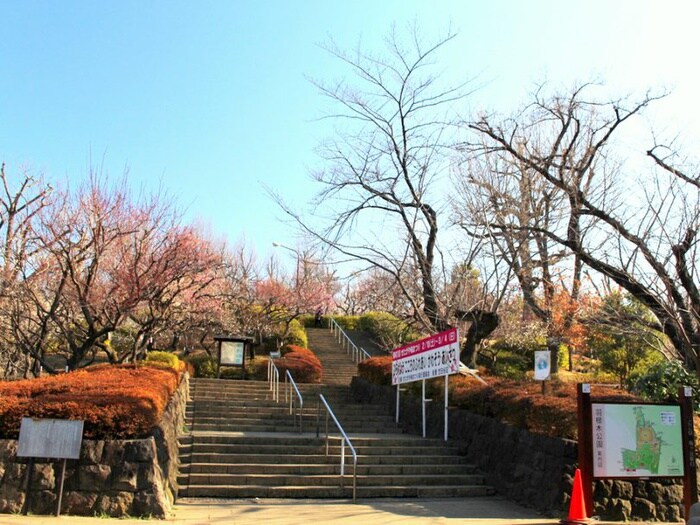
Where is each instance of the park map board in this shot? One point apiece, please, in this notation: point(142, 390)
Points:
point(637, 440)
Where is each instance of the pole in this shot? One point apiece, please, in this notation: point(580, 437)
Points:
point(423, 403)
point(30, 475)
point(398, 390)
point(585, 443)
point(690, 477)
point(60, 489)
point(447, 415)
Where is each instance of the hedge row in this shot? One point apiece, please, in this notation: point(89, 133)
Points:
point(386, 329)
point(517, 403)
point(115, 401)
point(302, 363)
point(376, 370)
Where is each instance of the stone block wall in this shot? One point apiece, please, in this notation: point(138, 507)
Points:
point(535, 471)
point(116, 478)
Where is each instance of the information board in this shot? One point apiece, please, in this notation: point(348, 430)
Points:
point(637, 440)
point(50, 438)
point(232, 353)
point(434, 356)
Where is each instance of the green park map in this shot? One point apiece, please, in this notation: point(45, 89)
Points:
point(637, 440)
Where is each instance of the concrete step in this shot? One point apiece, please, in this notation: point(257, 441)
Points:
point(310, 458)
point(337, 492)
point(332, 466)
point(329, 480)
point(243, 444)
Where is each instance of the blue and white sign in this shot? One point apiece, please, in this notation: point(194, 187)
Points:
point(542, 365)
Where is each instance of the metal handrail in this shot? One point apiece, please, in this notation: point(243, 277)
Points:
point(345, 438)
point(289, 383)
point(273, 379)
point(358, 353)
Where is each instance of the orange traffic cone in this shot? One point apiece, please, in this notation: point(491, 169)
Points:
point(577, 507)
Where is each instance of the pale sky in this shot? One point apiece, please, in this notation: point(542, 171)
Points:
point(210, 99)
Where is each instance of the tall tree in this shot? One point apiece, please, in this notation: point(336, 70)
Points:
point(24, 330)
point(638, 228)
point(380, 200)
point(504, 202)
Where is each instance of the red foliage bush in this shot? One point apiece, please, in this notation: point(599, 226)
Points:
point(302, 364)
point(118, 402)
point(376, 370)
point(522, 404)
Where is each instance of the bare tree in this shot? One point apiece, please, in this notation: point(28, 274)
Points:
point(639, 230)
point(380, 199)
point(505, 203)
point(23, 331)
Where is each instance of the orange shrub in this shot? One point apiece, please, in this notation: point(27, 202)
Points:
point(376, 370)
point(302, 364)
point(117, 402)
point(522, 404)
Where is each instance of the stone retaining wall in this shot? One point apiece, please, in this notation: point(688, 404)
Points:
point(535, 471)
point(117, 478)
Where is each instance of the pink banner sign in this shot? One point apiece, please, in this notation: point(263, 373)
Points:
point(434, 356)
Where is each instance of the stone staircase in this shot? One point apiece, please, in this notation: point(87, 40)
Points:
point(242, 444)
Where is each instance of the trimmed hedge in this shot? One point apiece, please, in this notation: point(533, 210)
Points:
point(115, 401)
point(386, 329)
point(302, 363)
point(522, 404)
point(166, 359)
point(376, 370)
point(296, 335)
point(204, 365)
point(347, 322)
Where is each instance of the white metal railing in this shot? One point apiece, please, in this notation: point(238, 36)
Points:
point(344, 439)
point(358, 353)
point(289, 383)
point(273, 379)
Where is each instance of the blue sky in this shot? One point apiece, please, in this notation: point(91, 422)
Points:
point(210, 99)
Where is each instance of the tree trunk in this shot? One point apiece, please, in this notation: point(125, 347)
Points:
point(483, 323)
point(553, 347)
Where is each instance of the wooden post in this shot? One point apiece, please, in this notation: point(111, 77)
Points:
point(30, 475)
point(60, 488)
point(690, 478)
point(585, 443)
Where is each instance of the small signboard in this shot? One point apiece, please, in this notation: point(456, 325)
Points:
point(50, 438)
point(637, 441)
point(434, 356)
point(542, 365)
point(232, 353)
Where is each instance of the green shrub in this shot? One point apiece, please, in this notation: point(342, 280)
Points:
point(347, 322)
point(296, 335)
point(231, 372)
point(661, 382)
point(388, 330)
point(511, 365)
point(307, 320)
point(204, 365)
point(165, 358)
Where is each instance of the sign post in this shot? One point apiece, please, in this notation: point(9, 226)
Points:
point(434, 356)
point(543, 360)
point(232, 351)
point(636, 440)
point(49, 438)
point(690, 479)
